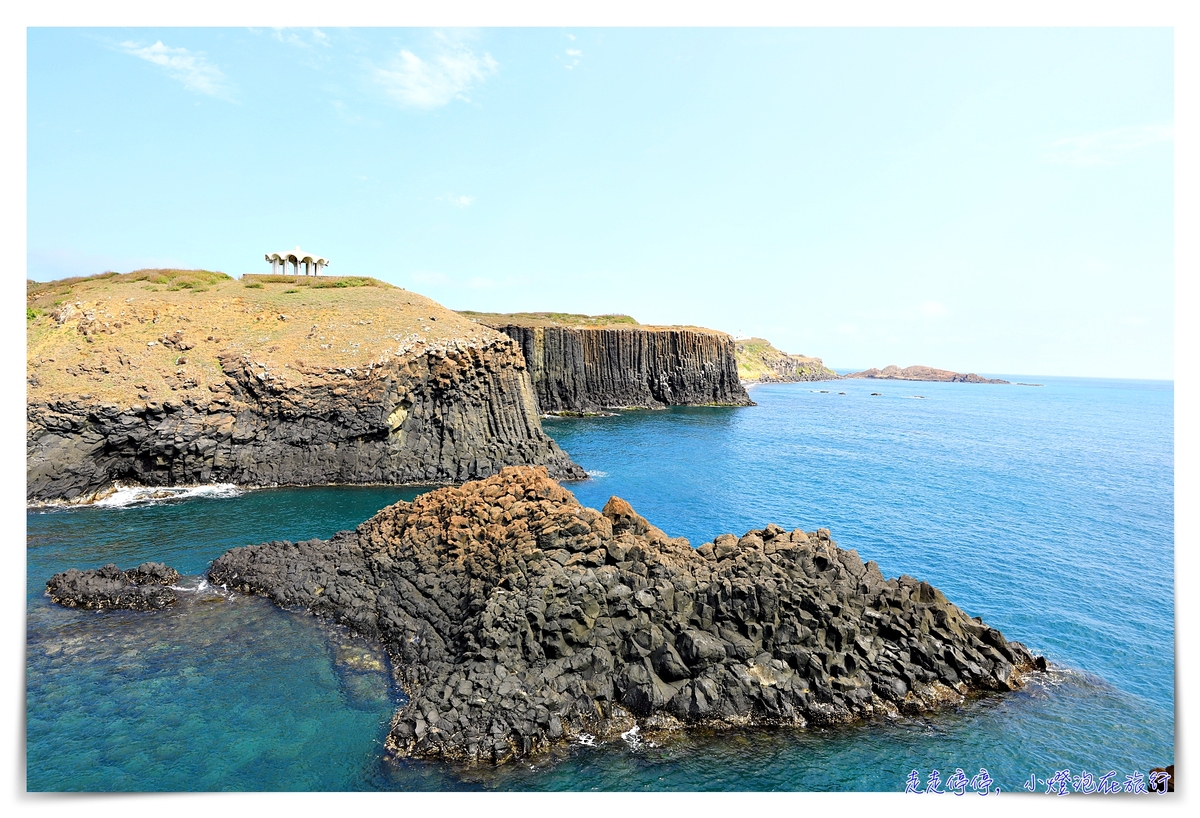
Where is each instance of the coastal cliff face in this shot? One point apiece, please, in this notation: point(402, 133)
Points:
point(592, 368)
point(518, 619)
point(760, 362)
point(127, 386)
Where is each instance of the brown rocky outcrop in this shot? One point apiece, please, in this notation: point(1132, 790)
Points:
point(922, 373)
point(518, 619)
point(588, 367)
point(265, 385)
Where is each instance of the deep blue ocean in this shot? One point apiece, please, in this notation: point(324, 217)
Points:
point(1048, 511)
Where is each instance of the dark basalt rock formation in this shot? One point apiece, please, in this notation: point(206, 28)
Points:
point(589, 369)
point(442, 416)
point(922, 373)
point(138, 589)
point(517, 618)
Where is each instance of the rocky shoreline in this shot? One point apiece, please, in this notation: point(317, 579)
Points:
point(436, 417)
point(518, 620)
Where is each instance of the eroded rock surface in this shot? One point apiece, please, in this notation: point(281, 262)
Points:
point(144, 588)
point(446, 416)
point(517, 618)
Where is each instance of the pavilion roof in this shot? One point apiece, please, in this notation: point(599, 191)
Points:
point(296, 255)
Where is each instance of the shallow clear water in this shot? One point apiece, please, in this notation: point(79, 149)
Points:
point(1047, 511)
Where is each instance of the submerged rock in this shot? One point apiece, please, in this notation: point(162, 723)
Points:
point(516, 618)
point(139, 589)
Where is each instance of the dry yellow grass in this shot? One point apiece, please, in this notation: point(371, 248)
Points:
point(574, 321)
point(121, 338)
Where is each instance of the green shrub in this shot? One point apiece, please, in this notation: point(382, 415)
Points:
point(253, 285)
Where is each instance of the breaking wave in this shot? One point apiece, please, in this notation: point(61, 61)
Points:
point(153, 495)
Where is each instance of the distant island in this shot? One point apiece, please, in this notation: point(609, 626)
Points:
point(760, 362)
point(922, 373)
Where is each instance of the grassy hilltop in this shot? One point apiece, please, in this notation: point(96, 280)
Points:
point(150, 334)
point(571, 320)
point(759, 361)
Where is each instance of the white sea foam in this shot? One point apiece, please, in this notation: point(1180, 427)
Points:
point(152, 495)
point(586, 739)
point(633, 737)
point(596, 473)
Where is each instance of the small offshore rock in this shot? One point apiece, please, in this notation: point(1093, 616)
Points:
point(144, 588)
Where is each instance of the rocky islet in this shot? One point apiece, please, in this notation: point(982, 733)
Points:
point(921, 373)
point(144, 588)
point(518, 619)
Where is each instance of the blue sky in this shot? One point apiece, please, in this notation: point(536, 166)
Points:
point(992, 200)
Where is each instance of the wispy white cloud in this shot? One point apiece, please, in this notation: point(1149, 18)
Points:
point(438, 80)
point(931, 309)
point(296, 37)
point(573, 57)
point(1107, 147)
point(191, 68)
point(457, 201)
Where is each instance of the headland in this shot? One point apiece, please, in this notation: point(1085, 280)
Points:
point(176, 377)
point(760, 362)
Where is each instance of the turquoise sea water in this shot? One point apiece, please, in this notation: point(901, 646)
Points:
point(1048, 511)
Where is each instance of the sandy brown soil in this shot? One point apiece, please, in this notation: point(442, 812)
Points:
point(150, 335)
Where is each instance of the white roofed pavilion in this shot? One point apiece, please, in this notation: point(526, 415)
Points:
point(297, 258)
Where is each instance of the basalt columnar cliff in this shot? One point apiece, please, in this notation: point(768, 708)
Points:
point(168, 377)
point(582, 363)
point(760, 362)
point(518, 619)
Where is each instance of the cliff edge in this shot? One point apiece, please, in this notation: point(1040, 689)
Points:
point(518, 619)
point(175, 377)
point(582, 363)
